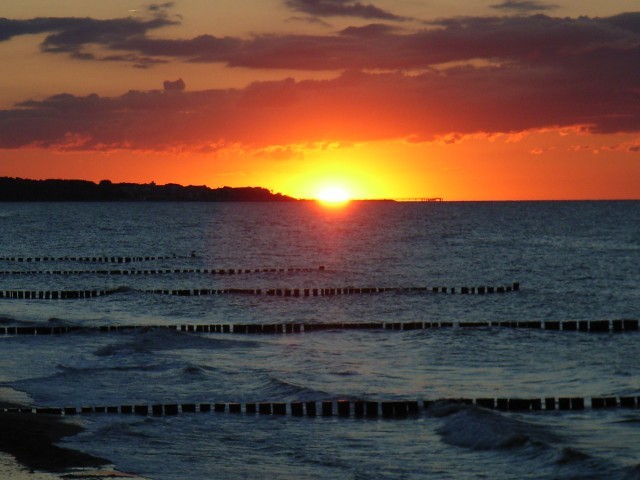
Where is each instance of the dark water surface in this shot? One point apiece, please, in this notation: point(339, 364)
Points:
point(574, 261)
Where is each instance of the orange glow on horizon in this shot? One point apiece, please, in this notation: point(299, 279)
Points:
point(549, 165)
point(336, 173)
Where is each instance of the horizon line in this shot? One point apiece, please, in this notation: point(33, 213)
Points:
point(410, 199)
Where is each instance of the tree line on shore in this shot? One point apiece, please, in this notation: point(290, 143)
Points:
point(20, 189)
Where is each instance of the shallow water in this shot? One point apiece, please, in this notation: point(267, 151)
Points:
point(574, 261)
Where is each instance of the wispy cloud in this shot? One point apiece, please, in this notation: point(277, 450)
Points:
point(160, 7)
point(524, 6)
point(82, 31)
point(71, 35)
point(73, 31)
point(308, 19)
point(340, 8)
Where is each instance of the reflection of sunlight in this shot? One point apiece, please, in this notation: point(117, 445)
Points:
point(333, 195)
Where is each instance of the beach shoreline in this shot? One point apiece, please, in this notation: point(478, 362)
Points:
point(29, 444)
point(32, 439)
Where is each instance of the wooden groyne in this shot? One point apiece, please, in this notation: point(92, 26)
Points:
point(588, 326)
point(358, 409)
point(274, 292)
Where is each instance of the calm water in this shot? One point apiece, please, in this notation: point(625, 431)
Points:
point(574, 260)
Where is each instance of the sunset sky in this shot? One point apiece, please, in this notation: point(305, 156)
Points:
point(463, 99)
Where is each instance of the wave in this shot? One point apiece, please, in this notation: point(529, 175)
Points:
point(630, 420)
point(132, 429)
point(479, 429)
point(275, 389)
point(7, 320)
point(149, 340)
point(182, 371)
point(193, 370)
point(65, 370)
point(570, 455)
point(577, 464)
point(60, 322)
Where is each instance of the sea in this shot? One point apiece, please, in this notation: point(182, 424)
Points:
point(307, 264)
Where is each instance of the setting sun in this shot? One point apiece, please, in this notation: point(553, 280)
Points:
point(333, 195)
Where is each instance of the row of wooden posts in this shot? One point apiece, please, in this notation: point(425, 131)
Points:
point(280, 292)
point(161, 271)
point(594, 326)
point(91, 259)
point(346, 408)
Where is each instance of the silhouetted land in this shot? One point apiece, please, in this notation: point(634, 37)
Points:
point(22, 190)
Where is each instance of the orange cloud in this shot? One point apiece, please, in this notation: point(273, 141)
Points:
point(355, 106)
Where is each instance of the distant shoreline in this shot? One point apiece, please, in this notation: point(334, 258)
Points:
point(25, 190)
point(59, 190)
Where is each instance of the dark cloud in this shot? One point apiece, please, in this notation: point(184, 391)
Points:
point(340, 8)
point(356, 106)
point(11, 28)
point(136, 60)
point(204, 48)
point(372, 30)
point(159, 7)
point(175, 86)
point(536, 39)
point(161, 10)
point(83, 56)
point(520, 40)
point(461, 76)
point(524, 6)
point(308, 19)
point(101, 32)
point(70, 35)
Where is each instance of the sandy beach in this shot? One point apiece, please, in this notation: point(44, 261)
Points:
point(28, 449)
point(31, 440)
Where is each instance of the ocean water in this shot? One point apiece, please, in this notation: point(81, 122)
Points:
point(573, 260)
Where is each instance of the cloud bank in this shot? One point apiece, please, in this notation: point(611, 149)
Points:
point(459, 75)
point(534, 39)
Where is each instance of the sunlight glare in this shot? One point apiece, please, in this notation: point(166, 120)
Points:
point(333, 195)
